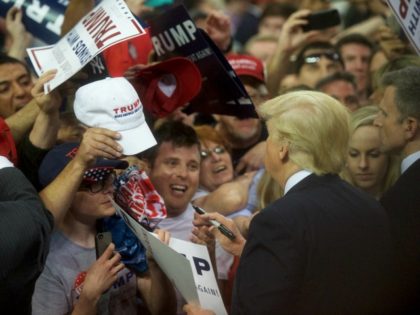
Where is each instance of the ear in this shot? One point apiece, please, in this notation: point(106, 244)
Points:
point(412, 128)
point(283, 151)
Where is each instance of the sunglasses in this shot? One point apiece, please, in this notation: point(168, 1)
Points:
point(98, 186)
point(314, 58)
point(206, 153)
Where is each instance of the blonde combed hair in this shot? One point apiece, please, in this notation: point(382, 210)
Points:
point(315, 125)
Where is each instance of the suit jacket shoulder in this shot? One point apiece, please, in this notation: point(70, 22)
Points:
point(309, 251)
point(402, 203)
point(406, 189)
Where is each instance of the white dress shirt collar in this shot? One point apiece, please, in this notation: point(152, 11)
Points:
point(4, 162)
point(295, 178)
point(409, 160)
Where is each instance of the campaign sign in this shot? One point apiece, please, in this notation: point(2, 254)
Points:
point(205, 281)
point(186, 264)
point(42, 18)
point(408, 15)
point(175, 34)
point(109, 23)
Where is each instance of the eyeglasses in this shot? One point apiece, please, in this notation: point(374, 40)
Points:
point(98, 186)
point(206, 153)
point(314, 58)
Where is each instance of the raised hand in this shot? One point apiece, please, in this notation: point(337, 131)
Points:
point(50, 102)
point(292, 36)
point(98, 142)
point(17, 38)
point(218, 27)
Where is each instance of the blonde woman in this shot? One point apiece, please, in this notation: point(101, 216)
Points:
point(366, 166)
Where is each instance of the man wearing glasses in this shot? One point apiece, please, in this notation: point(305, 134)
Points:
point(316, 61)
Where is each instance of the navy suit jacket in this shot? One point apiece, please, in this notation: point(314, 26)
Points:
point(323, 248)
point(25, 227)
point(402, 203)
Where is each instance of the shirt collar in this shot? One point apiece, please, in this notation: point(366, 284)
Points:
point(409, 160)
point(295, 178)
point(4, 162)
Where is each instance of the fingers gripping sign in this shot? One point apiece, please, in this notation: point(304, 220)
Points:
point(46, 102)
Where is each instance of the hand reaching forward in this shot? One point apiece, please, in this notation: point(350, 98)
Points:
point(234, 247)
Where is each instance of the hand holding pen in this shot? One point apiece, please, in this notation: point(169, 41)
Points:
point(222, 228)
point(233, 245)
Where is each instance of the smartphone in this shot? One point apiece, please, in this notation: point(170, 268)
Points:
point(102, 241)
point(322, 19)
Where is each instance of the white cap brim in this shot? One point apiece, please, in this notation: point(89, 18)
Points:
point(136, 140)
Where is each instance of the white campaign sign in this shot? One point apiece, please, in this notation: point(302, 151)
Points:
point(186, 264)
point(407, 13)
point(109, 23)
point(205, 281)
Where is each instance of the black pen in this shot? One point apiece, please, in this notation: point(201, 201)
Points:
point(222, 228)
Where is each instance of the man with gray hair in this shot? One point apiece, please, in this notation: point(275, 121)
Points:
point(399, 124)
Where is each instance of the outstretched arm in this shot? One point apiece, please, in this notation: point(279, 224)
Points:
point(229, 197)
point(22, 121)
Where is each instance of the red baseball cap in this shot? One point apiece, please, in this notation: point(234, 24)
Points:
point(167, 85)
point(247, 66)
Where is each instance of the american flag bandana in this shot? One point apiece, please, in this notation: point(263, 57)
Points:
point(97, 174)
point(134, 192)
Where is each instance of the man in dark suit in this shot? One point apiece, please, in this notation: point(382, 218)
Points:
point(323, 248)
point(399, 123)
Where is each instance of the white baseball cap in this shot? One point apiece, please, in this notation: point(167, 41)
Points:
point(113, 103)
